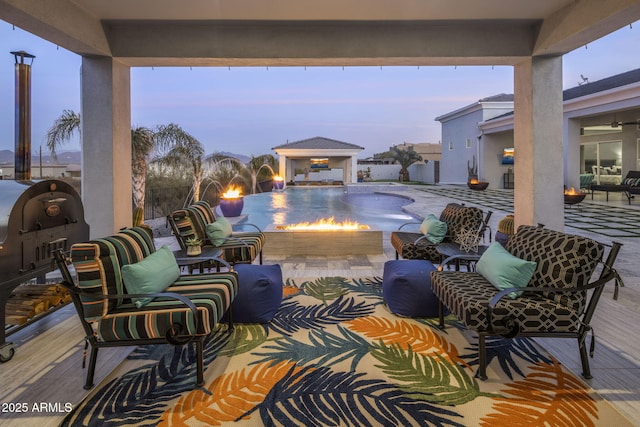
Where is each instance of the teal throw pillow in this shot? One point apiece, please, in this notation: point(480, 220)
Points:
point(153, 274)
point(504, 270)
point(434, 229)
point(219, 230)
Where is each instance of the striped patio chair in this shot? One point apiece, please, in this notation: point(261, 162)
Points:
point(189, 309)
point(240, 247)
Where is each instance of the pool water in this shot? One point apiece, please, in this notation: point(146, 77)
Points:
point(300, 204)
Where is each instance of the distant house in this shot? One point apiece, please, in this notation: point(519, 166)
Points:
point(318, 159)
point(601, 134)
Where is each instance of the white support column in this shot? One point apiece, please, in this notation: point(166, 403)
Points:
point(572, 167)
point(353, 176)
point(539, 176)
point(106, 145)
point(282, 168)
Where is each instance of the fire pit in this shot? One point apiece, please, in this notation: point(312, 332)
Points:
point(572, 197)
point(476, 185)
point(231, 202)
point(278, 183)
point(324, 237)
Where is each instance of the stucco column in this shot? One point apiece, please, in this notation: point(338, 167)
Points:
point(282, 167)
point(106, 144)
point(538, 169)
point(571, 137)
point(353, 176)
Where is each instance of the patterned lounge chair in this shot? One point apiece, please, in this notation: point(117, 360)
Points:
point(555, 302)
point(240, 247)
point(414, 245)
point(188, 310)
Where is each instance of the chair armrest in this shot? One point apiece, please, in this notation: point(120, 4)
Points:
point(408, 223)
point(511, 328)
point(240, 224)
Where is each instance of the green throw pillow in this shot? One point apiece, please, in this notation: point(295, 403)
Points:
point(153, 274)
point(504, 270)
point(219, 230)
point(434, 229)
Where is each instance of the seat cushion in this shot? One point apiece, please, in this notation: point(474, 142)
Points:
point(211, 293)
point(260, 293)
point(403, 243)
point(467, 295)
point(406, 288)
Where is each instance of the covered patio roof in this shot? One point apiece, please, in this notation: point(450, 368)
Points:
point(116, 35)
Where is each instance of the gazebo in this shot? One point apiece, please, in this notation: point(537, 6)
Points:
point(319, 154)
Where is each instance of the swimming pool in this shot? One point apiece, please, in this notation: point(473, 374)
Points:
point(297, 204)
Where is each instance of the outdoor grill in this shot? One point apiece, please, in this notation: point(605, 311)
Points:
point(35, 220)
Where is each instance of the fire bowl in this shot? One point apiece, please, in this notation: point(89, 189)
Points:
point(478, 186)
point(232, 207)
point(572, 199)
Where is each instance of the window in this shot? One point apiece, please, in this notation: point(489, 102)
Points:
point(468, 142)
point(450, 146)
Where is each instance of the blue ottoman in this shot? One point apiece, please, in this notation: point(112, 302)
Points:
point(406, 288)
point(259, 293)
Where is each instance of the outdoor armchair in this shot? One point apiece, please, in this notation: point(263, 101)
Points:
point(459, 218)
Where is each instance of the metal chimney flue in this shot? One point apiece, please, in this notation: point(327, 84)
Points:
point(23, 116)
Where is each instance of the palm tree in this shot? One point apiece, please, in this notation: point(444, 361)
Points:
point(181, 151)
point(62, 130)
point(256, 164)
point(142, 145)
point(405, 158)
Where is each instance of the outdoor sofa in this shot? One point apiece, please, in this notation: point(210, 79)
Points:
point(557, 296)
point(457, 217)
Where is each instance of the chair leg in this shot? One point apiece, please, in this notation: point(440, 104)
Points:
point(92, 367)
point(482, 358)
point(397, 256)
point(230, 319)
point(584, 358)
point(199, 362)
point(441, 314)
point(260, 257)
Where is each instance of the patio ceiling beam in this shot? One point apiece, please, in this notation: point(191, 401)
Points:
point(581, 22)
point(338, 43)
point(59, 21)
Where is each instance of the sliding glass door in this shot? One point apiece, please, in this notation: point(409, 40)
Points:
point(604, 160)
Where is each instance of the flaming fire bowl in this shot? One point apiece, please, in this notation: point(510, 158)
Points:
point(478, 186)
point(572, 199)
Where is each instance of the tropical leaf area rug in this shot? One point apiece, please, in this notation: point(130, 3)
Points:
point(335, 356)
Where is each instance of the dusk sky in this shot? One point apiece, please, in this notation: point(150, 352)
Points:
point(249, 110)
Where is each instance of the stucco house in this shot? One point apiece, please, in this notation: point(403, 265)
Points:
point(600, 134)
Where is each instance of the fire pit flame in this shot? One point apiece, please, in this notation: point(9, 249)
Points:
point(231, 193)
point(322, 224)
point(571, 192)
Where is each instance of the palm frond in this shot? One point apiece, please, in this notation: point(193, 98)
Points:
point(406, 335)
point(245, 338)
point(432, 378)
point(293, 316)
point(547, 396)
point(318, 396)
point(62, 130)
point(323, 349)
point(326, 288)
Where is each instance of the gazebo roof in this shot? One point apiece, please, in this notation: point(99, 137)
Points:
point(318, 143)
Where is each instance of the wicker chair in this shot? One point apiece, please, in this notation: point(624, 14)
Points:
point(414, 245)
